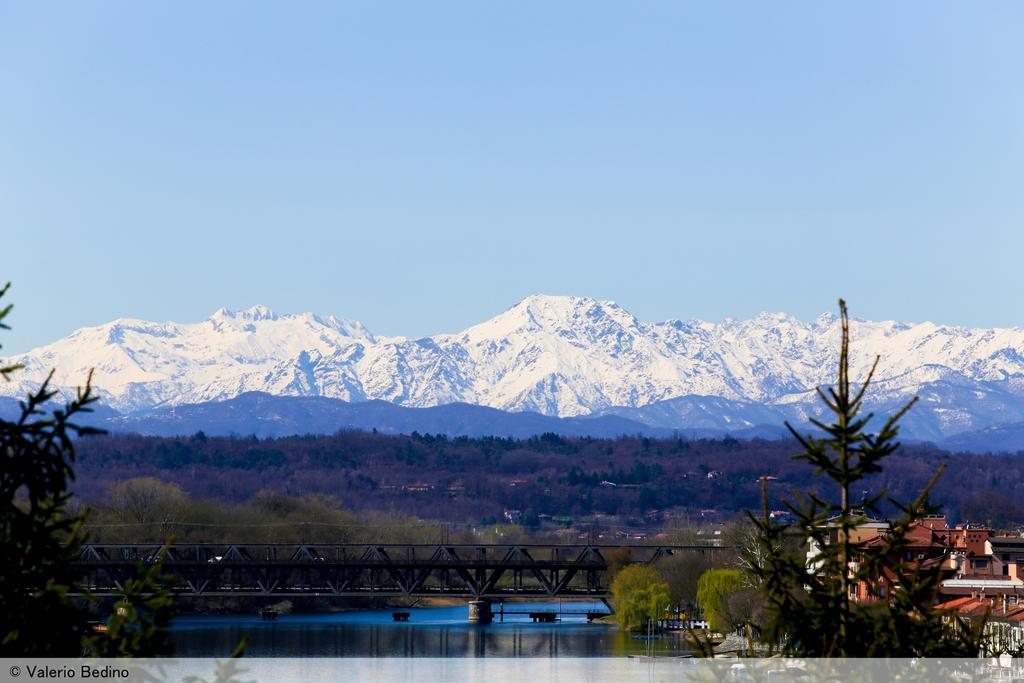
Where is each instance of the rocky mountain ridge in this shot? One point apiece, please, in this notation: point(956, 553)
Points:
point(559, 356)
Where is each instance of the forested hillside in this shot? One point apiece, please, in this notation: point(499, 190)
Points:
point(473, 480)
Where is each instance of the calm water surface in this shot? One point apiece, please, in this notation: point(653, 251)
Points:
point(430, 632)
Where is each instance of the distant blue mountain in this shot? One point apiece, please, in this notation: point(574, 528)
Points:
point(263, 415)
point(710, 413)
point(99, 416)
point(1008, 438)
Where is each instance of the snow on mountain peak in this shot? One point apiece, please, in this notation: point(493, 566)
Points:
point(257, 312)
point(559, 355)
point(553, 314)
point(774, 317)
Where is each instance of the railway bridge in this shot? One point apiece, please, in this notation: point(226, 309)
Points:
point(478, 572)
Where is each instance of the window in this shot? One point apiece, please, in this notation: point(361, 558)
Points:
point(1006, 570)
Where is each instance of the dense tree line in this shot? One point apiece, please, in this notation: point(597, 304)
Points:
point(147, 510)
point(472, 480)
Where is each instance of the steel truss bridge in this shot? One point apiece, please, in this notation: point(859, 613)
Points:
point(370, 570)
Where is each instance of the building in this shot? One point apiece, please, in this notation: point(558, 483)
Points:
point(866, 528)
point(1004, 622)
point(926, 548)
point(1007, 555)
point(971, 560)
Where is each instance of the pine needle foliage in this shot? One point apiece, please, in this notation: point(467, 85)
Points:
point(808, 604)
point(44, 608)
point(39, 537)
point(138, 626)
point(6, 370)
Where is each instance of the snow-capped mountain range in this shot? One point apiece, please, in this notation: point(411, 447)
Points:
point(556, 355)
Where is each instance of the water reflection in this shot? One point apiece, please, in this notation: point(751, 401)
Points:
point(431, 632)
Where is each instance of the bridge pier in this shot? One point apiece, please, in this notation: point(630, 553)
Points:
point(480, 612)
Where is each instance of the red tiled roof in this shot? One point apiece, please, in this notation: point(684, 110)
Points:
point(967, 606)
point(956, 603)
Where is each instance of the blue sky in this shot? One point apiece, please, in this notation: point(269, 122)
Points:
point(422, 166)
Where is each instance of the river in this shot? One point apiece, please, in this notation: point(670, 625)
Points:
point(430, 632)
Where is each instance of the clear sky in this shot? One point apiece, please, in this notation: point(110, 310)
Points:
point(423, 166)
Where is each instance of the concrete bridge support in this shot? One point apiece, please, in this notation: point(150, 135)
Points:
point(480, 612)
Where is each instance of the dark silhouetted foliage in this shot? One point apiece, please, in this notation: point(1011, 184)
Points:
point(40, 535)
point(808, 608)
